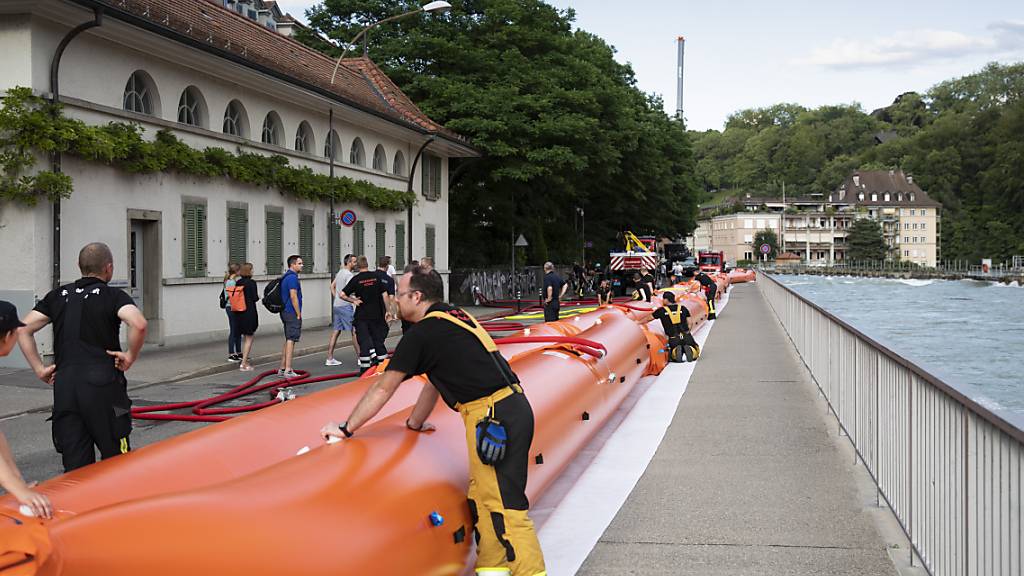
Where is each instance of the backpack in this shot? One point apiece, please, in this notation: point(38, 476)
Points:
point(223, 299)
point(272, 296)
point(236, 296)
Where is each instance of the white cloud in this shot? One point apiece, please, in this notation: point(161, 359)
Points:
point(912, 48)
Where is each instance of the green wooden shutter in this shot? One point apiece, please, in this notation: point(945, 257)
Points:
point(306, 241)
point(400, 245)
point(437, 179)
point(194, 240)
point(275, 223)
point(335, 232)
point(238, 235)
point(357, 238)
point(380, 239)
point(431, 237)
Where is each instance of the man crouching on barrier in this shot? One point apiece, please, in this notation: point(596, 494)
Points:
point(675, 319)
point(465, 369)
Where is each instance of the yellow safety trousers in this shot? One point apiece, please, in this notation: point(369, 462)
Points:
point(518, 538)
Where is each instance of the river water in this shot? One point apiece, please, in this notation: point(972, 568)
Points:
point(969, 334)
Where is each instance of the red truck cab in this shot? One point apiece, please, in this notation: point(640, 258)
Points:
point(710, 261)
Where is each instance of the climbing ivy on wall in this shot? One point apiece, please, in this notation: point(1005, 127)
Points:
point(31, 127)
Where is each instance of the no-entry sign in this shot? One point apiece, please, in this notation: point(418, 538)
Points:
point(347, 218)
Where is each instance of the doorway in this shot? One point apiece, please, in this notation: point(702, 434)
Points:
point(144, 268)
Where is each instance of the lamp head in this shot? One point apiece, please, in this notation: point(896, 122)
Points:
point(439, 6)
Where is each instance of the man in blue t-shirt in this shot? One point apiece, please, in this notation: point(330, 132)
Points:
point(291, 316)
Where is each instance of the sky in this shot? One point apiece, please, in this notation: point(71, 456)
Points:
point(748, 53)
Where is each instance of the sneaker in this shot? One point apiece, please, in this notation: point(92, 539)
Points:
point(234, 357)
point(290, 374)
point(332, 362)
point(280, 372)
point(245, 368)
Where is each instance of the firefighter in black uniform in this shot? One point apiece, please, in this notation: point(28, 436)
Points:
point(710, 289)
point(466, 370)
point(90, 397)
point(675, 319)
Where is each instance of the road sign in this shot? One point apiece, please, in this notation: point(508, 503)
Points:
point(347, 218)
point(521, 241)
point(765, 248)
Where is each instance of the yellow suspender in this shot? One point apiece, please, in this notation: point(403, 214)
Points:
point(480, 333)
point(676, 316)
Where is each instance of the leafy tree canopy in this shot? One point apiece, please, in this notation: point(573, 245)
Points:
point(561, 124)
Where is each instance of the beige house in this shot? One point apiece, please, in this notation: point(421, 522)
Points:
point(909, 218)
point(816, 227)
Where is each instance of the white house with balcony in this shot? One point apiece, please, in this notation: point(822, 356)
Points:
point(214, 78)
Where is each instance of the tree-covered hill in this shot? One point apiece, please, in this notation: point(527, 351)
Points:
point(963, 141)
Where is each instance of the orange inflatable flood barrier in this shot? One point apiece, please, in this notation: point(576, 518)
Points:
point(236, 498)
point(737, 275)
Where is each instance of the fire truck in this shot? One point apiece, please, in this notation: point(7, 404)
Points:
point(639, 255)
point(709, 261)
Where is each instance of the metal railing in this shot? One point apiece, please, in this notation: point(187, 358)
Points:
point(950, 469)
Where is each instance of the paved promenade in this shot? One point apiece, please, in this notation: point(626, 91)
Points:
point(749, 478)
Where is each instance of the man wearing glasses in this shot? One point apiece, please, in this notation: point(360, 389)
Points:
point(466, 370)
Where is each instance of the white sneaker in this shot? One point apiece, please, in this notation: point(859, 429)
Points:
point(332, 362)
point(290, 374)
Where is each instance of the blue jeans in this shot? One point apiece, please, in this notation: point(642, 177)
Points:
point(234, 336)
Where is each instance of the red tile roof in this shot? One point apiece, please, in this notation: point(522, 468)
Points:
point(207, 23)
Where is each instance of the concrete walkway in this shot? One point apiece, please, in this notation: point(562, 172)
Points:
point(749, 478)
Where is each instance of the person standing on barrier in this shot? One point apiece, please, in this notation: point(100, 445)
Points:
point(369, 294)
point(466, 370)
point(675, 320)
point(554, 289)
point(90, 393)
point(710, 290)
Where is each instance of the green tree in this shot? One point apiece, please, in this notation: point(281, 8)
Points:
point(865, 241)
point(769, 237)
point(561, 124)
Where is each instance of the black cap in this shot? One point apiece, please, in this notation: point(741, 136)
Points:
point(8, 317)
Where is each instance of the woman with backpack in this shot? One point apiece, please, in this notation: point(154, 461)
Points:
point(246, 319)
point(234, 338)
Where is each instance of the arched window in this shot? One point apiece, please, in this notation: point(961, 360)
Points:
point(380, 159)
point(272, 129)
point(399, 166)
point(911, 196)
point(886, 197)
point(236, 120)
point(192, 108)
point(357, 155)
point(304, 138)
point(874, 196)
point(860, 196)
point(140, 94)
point(899, 197)
point(332, 146)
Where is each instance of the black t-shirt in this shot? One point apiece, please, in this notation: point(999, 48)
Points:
point(452, 357)
point(603, 292)
point(555, 281)
point(100, 326)
point(368, 287)
point(705, 280)
point(389, 282)
point(666, 321)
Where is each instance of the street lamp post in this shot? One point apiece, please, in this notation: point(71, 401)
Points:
point(439, 6)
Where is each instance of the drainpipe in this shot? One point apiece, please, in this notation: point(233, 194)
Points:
point(56, 156)
point(412, 171)
point(332, 265)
